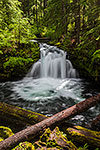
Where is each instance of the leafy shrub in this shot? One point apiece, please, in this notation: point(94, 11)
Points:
point(17, 66)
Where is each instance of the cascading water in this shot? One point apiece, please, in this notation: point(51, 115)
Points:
point(53, 63)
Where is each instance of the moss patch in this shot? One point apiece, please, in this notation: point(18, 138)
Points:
point(5, 132)
point(24, 146)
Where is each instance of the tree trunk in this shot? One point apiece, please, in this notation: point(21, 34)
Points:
point(28, 11)
point(66, 16)
point(33, 130)
point(41, 9)
point(36, 12)
point(77, 19)
point(83, 21)
point(78, 22)
point(45, 5)
point(80, 135)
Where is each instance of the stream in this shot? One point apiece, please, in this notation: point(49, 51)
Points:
point(51, 85)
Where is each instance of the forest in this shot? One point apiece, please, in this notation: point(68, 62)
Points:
point(73, 25)
point(37, 113)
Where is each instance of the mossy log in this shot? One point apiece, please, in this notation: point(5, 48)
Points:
point(80, 135)
point(33, 130)
point(19, 116)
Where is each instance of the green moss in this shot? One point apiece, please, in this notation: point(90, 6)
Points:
point(5, 132)
point(1, 139)
point(24, 146)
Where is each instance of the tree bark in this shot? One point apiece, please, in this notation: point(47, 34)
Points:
point(33, 130)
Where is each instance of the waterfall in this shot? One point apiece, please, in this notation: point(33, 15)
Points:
point(52, 63)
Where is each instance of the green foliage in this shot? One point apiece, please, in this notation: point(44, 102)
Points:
point(17, 66)
point(96, 56)
point(14, 62)
point(14, 27)
point(1, 52)
point(83, 148)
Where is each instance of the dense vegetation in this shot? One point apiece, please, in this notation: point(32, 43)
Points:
point(74, 25)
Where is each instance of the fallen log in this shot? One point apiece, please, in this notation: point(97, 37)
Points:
point(20, 114)
point(33, 130)
point(80, 135)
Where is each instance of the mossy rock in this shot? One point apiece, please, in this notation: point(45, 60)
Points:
point(24, 146)
point(5, 132)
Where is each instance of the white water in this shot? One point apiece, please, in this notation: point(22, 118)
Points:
point(50, 85)
point(52, 63)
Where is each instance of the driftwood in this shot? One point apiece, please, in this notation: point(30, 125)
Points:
point(80, 135)
point(33, 130)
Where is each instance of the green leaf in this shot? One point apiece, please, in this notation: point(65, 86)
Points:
point(97, 38)
point(97, 51)
point(1, 52)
